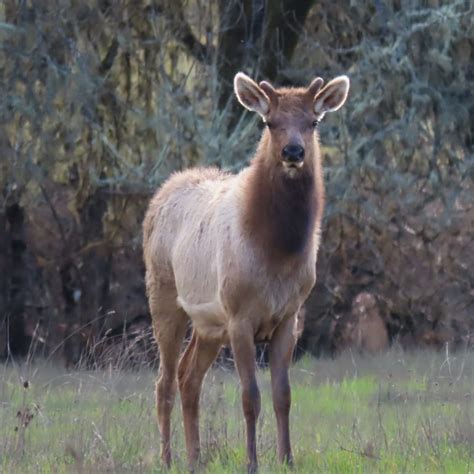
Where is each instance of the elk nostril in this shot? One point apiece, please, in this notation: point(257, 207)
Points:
point(293, 153)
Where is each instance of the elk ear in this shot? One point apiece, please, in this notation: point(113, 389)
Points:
point(314, 87)
point(333, 96)
point(250, 95)
point(272, 94)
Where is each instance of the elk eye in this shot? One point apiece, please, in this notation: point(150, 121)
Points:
point(315, 123)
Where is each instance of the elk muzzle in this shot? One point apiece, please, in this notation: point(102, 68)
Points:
point(293, 154)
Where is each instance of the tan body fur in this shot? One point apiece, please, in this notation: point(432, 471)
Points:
point(219, 272)
point(236, 254)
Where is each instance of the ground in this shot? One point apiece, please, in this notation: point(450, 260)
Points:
point(396, 412)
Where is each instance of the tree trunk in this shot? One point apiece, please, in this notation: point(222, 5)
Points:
point(258, 37)
point(18, 341)
point(4, 257)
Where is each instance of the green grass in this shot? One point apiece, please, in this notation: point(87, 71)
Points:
point(392, 413)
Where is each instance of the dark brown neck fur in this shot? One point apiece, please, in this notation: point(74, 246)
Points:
point(281, 212)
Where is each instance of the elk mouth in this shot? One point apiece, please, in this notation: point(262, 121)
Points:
point(292, 168)
point(294, 165)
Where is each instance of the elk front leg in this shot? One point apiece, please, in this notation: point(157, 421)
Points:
point(243, 347)
point(280, 354)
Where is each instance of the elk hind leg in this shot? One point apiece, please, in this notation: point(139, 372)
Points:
point(194, 363)
point(169, 325)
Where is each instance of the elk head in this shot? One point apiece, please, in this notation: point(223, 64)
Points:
point(291, 116)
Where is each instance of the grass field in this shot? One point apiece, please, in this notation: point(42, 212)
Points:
point(392, 413)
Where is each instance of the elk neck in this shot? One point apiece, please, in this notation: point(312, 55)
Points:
point(281, 212)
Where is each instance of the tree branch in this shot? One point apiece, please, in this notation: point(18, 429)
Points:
point(182, 32)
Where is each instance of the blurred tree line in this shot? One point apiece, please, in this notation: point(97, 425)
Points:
point(102, 100)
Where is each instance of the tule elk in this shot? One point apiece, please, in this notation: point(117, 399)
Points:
point(366, 329)
point(236, 254)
